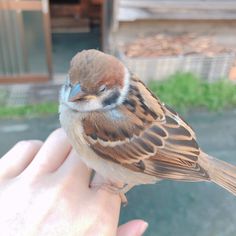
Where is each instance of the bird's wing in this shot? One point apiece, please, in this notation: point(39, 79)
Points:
point(146, 136)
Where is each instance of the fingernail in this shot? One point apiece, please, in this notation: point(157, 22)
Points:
point(143, 228)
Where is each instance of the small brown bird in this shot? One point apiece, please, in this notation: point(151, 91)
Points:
point(125, 133)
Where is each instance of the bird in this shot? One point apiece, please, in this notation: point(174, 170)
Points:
point(124, 132)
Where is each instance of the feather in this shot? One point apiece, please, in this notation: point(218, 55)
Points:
point(145, 136)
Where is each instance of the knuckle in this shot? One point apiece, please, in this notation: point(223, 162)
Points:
point(57, 132)
point(22, 143)
point(29, 144)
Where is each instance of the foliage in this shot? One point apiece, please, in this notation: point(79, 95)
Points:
point(186, 91)
point(29, 110)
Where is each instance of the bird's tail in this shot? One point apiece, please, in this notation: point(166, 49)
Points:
point(220, 172)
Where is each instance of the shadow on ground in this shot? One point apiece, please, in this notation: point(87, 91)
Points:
point(171, 208)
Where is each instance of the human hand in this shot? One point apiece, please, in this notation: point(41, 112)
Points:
point(44, 191)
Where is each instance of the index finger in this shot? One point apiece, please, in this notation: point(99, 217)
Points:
point(52, 154)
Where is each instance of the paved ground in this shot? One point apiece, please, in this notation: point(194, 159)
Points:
point(171, 208)
point(23, 94)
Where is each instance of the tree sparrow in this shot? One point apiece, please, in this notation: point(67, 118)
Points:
point(125, 133)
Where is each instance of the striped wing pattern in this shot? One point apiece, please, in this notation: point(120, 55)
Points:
point(145, 136)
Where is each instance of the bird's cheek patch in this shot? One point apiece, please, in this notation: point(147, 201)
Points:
point(111, 99)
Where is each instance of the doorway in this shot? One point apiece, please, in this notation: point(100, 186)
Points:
point(75, 25)
point(39, 38)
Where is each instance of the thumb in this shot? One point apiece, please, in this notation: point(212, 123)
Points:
point(132, 228)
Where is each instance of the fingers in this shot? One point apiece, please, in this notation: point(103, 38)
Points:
point(132, 228)
point(52, 154)
point(18, 158)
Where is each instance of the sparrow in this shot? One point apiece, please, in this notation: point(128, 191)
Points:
point(125, 133)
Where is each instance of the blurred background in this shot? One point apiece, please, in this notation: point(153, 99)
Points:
point(185, 50)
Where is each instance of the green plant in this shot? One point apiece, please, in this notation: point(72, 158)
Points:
point(186, 91)
point(29, 110)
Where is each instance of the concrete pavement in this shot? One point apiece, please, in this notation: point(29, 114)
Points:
point(31, 93)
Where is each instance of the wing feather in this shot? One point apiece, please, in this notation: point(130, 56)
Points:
point(145, 136)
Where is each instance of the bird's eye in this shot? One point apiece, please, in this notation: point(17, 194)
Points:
point(102, 88)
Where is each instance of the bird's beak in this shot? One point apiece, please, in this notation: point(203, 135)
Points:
point(77, 94)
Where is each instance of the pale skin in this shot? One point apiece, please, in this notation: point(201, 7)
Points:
point(44, 191)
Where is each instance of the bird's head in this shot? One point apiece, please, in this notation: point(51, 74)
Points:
point(95, 81)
